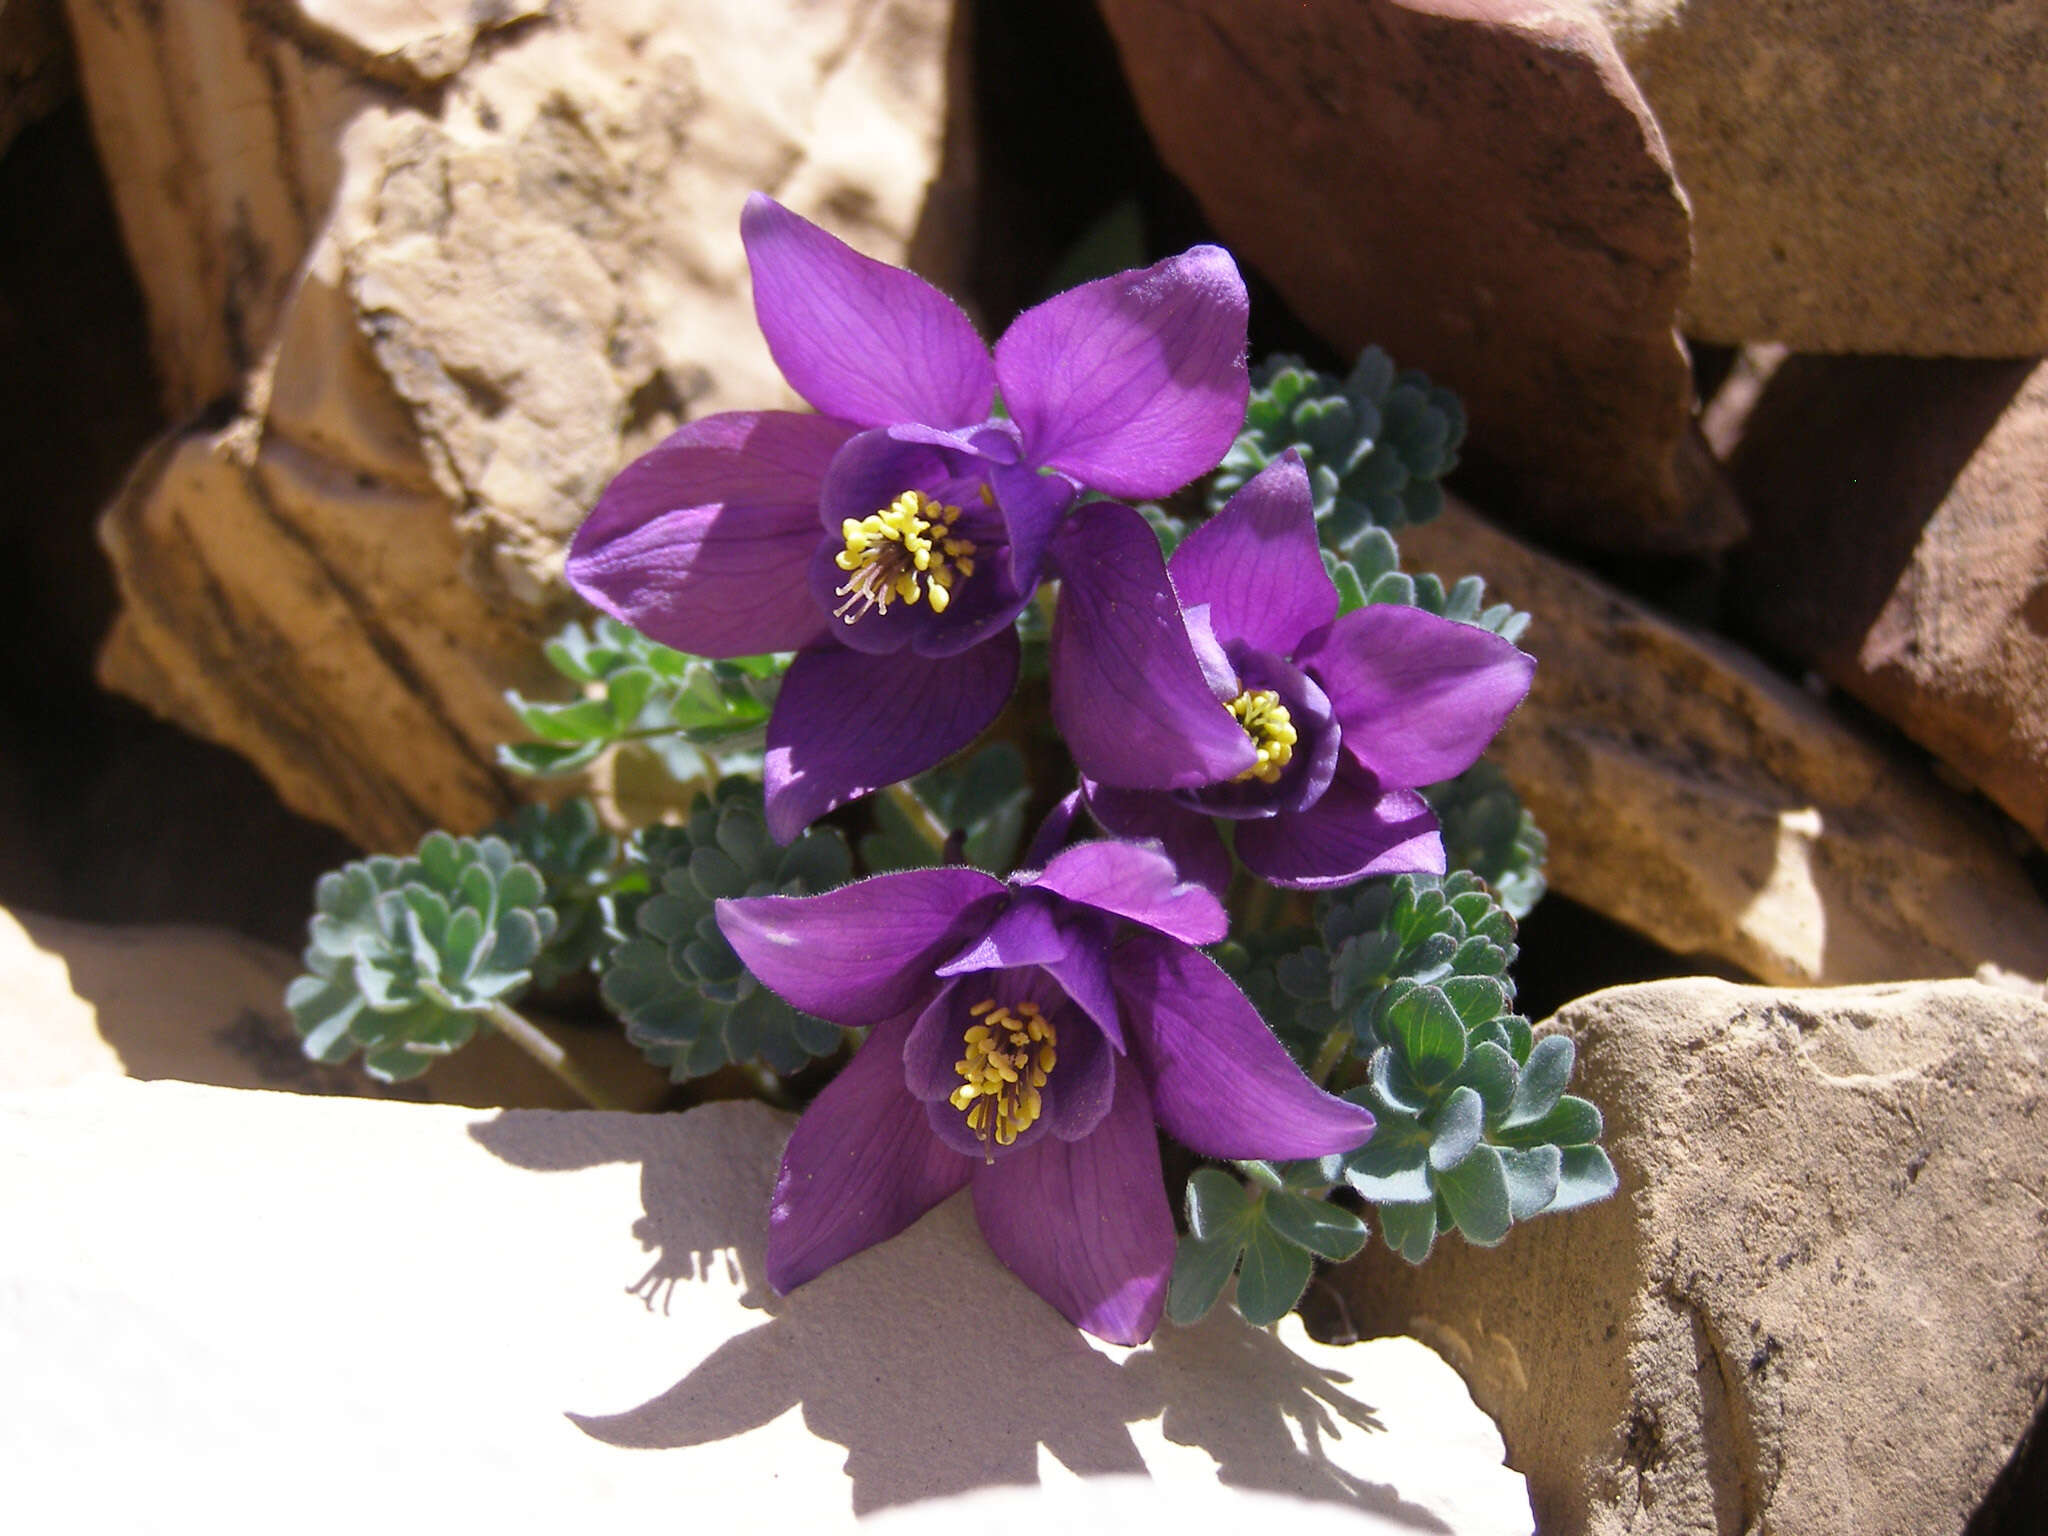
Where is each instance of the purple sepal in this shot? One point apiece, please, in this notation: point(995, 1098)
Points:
point(1222, 1085)
point(1141, 884)
point(864, 952)
point(1133, 384)
point(846, 723)
point(855, 337)
point(1128, 693)
point(1085, 1223)
point(701, 542)
point(1189, 838)
point(1353, 833)
point(1258, 564)
point(1419, 697)
point(861, 1166)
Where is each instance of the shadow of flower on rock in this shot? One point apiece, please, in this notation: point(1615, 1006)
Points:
point(935, 1368)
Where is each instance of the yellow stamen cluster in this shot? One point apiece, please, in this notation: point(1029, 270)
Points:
point(1266, 721)
point(888, 552)
point(1009, 1056)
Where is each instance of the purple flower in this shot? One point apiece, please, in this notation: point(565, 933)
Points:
point(1025, 1038)
point(892, 538)
point(1256, 704)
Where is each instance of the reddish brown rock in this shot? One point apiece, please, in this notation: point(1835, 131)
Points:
point(1901, 549)
point(1475, 185)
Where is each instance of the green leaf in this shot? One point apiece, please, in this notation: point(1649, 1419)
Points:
point(1218, 1206)
point(1200, 1271)
point(1532, 1175)
point(1544, 1078)
point(1394, 1165)
point(1476, 1191)
point(1491, 1072)
point(1272, 1276)
point(1456, 1130)
point(1428, 1033)
point(1571, 1122)
point(1584, 1175)
point(1410, 1230)
point(1326, 1230)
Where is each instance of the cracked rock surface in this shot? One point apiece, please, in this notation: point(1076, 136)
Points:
point(1815, 1304)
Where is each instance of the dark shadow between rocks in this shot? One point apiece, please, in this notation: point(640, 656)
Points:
point(935, 1367)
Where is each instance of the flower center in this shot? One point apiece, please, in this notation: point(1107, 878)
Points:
point(1271, 728)
point(889, 552)
point(1008, 1058)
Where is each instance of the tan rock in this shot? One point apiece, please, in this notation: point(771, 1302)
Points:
point(538, 1320)
point(1697, 797)
point(1901, 550)
point(35, 63)
point(437, 279)
point(1816, 1304)
point(1864, 176)
point(203, 1005)
point(1475, 185)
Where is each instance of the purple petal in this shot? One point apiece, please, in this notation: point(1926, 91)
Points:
point(860, 1167)
point(1317, 747)
point(1221, 1084)
point(1077, 1090)
point(1258, 563)
point(1419, 697)
point(1032, 506)
point(1133, 384)
point(701, 543)
point(864, 952)
point(1053, 831)
point(858, 338)
point(1085, 1223)
point(1353, 832)
point(1138, 883)
point(1083, 974)
point(1127, 690)
point(1027, 932)
point(1189, 838)
point(846, 724)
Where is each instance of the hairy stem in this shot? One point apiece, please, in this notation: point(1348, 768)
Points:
point(1336, 1046)
point(920, 816)
point(542, 1049)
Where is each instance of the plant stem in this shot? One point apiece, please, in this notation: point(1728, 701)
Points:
point(1336, 1045)
point(919, 815)
point(542, 1049)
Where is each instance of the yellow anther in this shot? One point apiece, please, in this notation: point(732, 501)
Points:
point(1267, 723)
point(907, 550)
point(1002, 1073)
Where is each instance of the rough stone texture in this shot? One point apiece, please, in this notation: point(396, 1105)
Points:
point(428, 280)
point(202, 1005)
point(552, 1321)
point(1816, 1304)
point(1864, 176)
point(35, 63)
point(1700, 799)
point(1901, 550)
point(1475, 185)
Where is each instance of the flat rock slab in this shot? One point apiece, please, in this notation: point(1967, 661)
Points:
point(1816, 1304)
point(1699, 798)
point(1477, 186)
point(243, 1303)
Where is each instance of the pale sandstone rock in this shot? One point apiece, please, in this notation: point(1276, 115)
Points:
point(439, 270)
point(1816, 1303)
point(1864, 176)
point(1475, 185)
point(35, 63)
point(537, 1321)
point(1697, 797)
point(1900, 549)
point(202, 1005)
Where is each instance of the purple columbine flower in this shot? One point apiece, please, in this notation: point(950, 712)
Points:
point(892, 538)
point(1254, 703)
point(1025, 1039)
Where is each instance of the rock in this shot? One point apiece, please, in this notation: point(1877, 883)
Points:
point(537, 1319)
point(1475, 185)
point(1901, 550)
point(418, 284)
point(1864, 177)
point(1695, 796)
point(203, 1005)
point(1816, 1304)
point(35, 63)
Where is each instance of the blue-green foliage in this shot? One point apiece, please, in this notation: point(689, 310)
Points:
point(690, 712)
point(1376, 443)
point(1489, 831)
point(688, 1002)
point(407, 955)
point(578, 861)
point(978, 798)
point(1269, 1235)
point(1372, 573)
